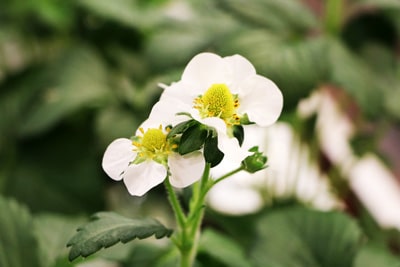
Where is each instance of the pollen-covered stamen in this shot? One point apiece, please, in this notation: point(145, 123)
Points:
point(152, 145)
point(154, 140)
point(218, 101)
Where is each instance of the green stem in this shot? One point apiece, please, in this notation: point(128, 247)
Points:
point(194, 219)
point(188, 232)
point(176, 206)
point(228, 174)
point(333, 16)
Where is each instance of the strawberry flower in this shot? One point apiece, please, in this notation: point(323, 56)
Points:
point(222, 93)
point(146, 160)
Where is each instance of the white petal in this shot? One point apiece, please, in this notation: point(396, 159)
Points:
point(228, 145)
point(215, 123)
point(240, 69)
point(261, 99)
point(182, 91)
point(204, 70)
point(186, 169)
point(117, 157)
point(140, 178)
point(227, 197)
point(231, 149)
point(165, 111)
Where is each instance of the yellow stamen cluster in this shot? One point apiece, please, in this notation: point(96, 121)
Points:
point(218, 101)
point(153, 145)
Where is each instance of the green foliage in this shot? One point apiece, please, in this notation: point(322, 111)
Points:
point(52, 246)
point(18, 246)
point(372, 255)
point(222, 249)
point(151, 255)
point(300, 237)
point(74, 75)
point(108, 228)
point(274, 14)
point(75, 81)
point(357, 78)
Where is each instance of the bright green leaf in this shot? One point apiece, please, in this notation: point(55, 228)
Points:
point(108, 228)
point(18, 246)
point(297, 237)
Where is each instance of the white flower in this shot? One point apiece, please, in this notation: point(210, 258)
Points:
point(144, 161)
point(290, 173)
point(222, 92)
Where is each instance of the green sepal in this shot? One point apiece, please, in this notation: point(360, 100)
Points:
point(108, 228)
point(212, 154)
point(181, 127)
point(244, 120)
point(254, 162)
point(238, 133)
point(192, 139)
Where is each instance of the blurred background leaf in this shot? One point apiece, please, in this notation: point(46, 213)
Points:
point(18, 246)
point(294, 237)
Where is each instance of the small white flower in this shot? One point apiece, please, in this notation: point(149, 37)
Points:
point(221, 93)
point(144, 162)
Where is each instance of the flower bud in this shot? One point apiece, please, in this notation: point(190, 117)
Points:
point(254, 162)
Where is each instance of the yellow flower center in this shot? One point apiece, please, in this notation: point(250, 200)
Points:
point(153, 145)
point(154, 140)
point(218, 101)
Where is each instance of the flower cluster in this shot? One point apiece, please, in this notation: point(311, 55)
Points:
point(198, 120)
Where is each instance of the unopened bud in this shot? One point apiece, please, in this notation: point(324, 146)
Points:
point(255, 162)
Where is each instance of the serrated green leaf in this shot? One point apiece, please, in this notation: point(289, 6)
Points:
point(18, 246)
point(212, 154)
point(223, 249)
point(108, 228)
point(192, 139)
point(297, 237)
